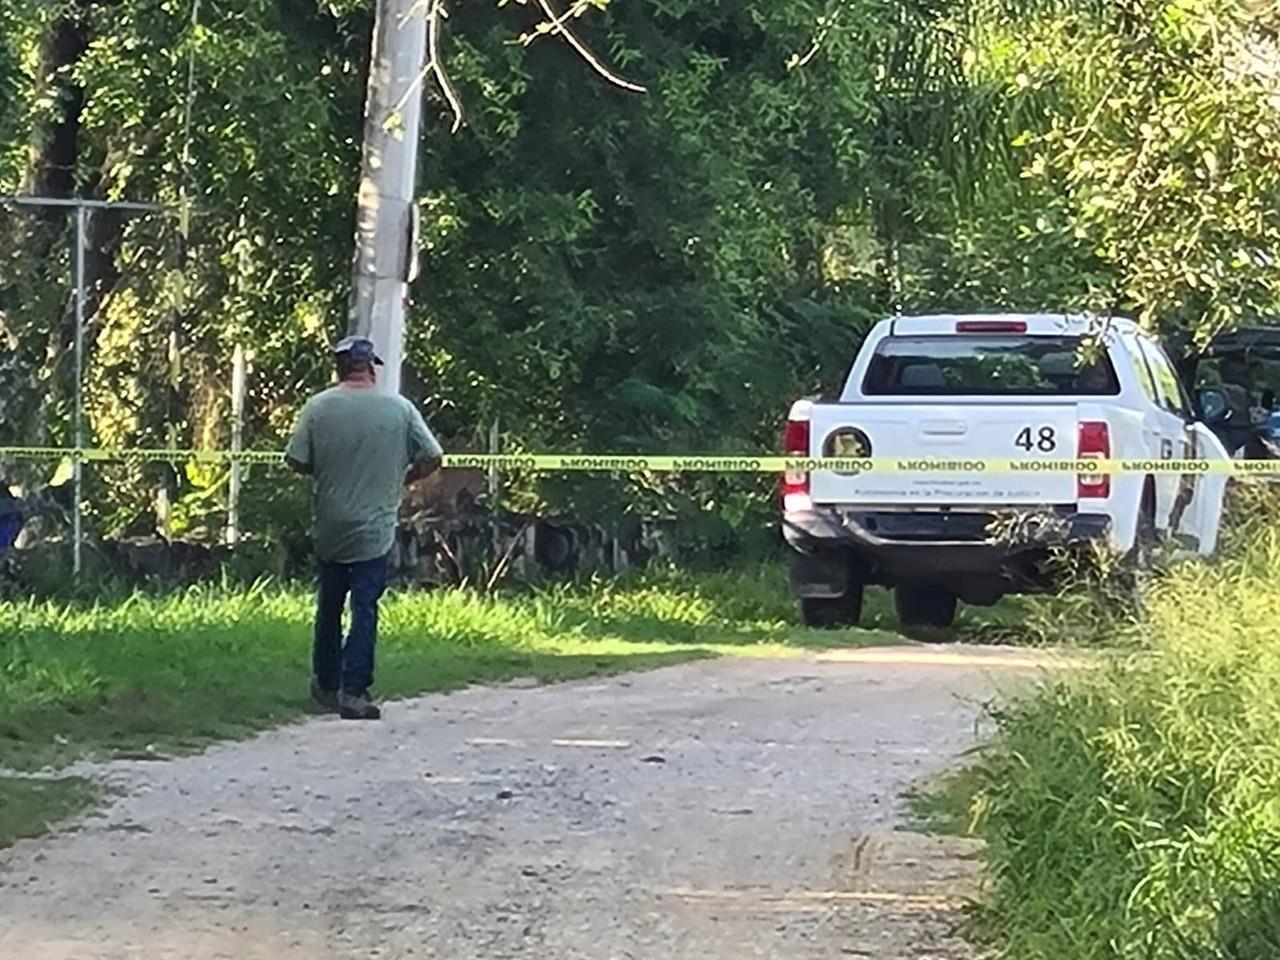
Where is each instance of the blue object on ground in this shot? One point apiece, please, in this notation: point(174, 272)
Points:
point(12, 519)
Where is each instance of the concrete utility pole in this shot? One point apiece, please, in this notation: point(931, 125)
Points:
point(386, 214)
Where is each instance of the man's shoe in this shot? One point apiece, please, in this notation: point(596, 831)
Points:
point(328, 699)
point(357, 706)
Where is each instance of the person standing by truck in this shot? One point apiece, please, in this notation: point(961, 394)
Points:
point(361, 447)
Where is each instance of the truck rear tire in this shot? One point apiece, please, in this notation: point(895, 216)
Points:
point(924, 605)
point(827, 613)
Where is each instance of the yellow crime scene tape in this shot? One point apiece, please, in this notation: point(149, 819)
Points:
point(612, 463)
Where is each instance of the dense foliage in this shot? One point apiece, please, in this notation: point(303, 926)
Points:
point(603, 269)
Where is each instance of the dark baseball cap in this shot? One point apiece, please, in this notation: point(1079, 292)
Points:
point(357, 349)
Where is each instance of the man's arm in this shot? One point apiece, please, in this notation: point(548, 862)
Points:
point(298, 454)
point(425, 452)
point(297, 466)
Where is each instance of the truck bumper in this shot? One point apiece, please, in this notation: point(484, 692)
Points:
point(954, 549)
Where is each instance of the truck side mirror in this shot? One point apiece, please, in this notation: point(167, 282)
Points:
point(1215, 408)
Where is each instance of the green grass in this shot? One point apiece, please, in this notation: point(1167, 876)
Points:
point(946, 805)
point(30, 807)
point(1134, 811)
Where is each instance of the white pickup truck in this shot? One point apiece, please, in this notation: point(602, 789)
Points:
point(1011, 386)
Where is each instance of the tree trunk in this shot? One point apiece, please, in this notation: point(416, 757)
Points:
point(36, 319)
point(51, 159)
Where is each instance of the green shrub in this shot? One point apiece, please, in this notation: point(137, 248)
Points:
point(1134, 811)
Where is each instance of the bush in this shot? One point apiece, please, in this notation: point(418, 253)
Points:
point(1134, 812)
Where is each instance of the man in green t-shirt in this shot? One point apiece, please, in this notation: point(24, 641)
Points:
point(361, 447)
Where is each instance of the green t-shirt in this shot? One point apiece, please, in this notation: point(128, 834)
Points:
point(357, 443)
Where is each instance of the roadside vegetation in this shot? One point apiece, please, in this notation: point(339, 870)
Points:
point(1134, 811)
point(29, 807)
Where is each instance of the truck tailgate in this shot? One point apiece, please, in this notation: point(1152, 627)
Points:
point(951, 431)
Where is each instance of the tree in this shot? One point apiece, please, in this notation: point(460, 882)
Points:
point(1162, 155)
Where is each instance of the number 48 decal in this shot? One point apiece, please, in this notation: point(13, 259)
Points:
point(1045, 440)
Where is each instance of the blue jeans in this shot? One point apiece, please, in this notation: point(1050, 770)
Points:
point(348, 666)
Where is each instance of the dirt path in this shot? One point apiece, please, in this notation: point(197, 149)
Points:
point(729, 809)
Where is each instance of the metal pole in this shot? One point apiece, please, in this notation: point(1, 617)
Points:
point(495, 531)
point(495, 439)
point(238, 366)
point(27, 201)
point(78, 419)
point(386, 225)
point(82, 208)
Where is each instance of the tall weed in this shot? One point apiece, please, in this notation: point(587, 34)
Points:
point(1134, 812)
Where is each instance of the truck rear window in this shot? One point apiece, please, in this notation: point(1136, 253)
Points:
point(1013, 365)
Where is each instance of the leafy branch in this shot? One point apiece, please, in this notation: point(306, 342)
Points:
point(556, 24)
point(826, 23)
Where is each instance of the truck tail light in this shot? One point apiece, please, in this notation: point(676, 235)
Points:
point(795, 483)
point(1094, 444)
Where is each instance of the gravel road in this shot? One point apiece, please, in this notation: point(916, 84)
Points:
point(727, 810)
